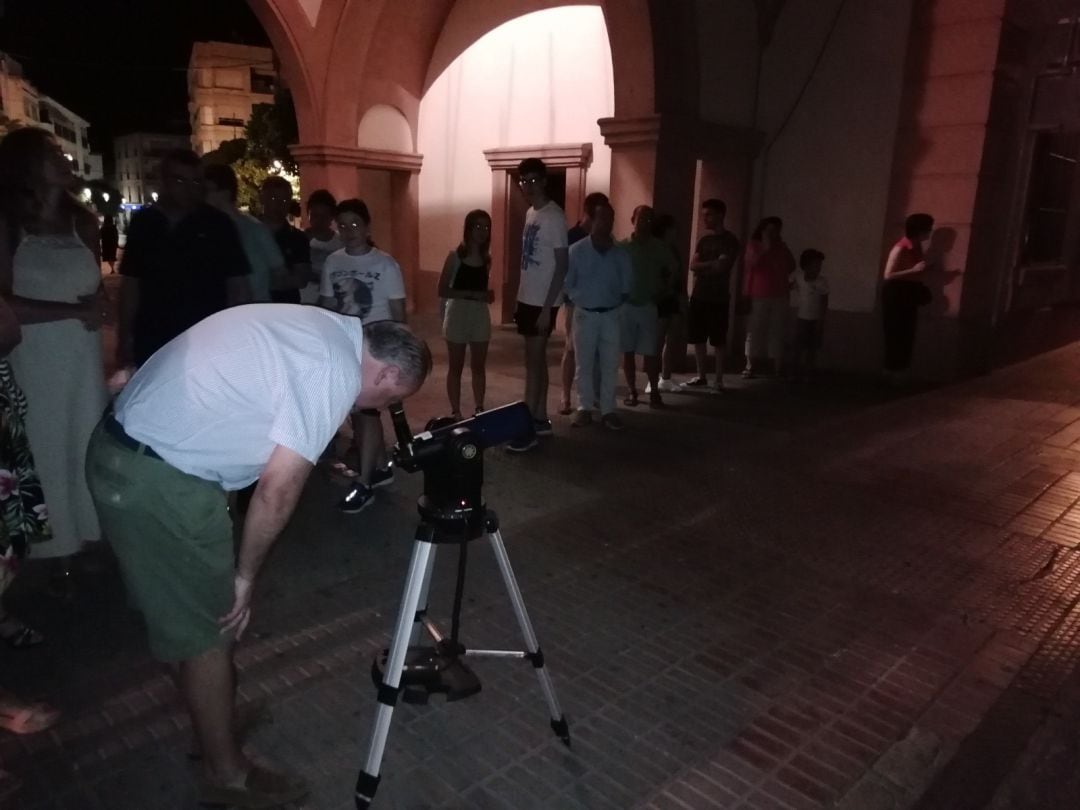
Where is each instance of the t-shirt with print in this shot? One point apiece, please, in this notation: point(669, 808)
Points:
point(544, 233)
point(715, 287)
point(320, 251)
point(811, 296)
point(362, 285)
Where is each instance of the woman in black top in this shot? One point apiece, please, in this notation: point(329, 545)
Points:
point(467, 323)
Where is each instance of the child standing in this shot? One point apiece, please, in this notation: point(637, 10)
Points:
point(812, 292)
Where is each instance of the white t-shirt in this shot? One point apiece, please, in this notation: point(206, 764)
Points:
point(320, 250)
point(362, 285)
point(545, 232)
point(215, 401)
point(810, 296)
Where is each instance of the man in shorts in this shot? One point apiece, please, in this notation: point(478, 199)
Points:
point(710, 303)
point(543, 270)
point(251, 393)
point(653, 264)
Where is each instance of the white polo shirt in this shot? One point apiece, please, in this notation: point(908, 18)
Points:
point(215, 401)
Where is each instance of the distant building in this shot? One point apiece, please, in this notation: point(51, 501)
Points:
point(22, 105)
point(71, 132)
point(137, 158)
point(20, 102)
point(224, 82)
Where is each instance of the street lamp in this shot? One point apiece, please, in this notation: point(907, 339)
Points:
point(85, 195)
point(153, 196)
point(105, 196)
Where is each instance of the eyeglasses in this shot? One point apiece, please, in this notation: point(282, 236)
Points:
point(529, 181)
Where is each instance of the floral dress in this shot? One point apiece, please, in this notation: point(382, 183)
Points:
point(22, 504)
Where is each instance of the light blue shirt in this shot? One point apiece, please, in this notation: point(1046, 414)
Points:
point(598, 280)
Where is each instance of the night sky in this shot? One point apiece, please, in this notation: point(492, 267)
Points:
point(120, 64)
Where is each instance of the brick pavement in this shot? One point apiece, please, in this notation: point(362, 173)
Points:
point(782, 598)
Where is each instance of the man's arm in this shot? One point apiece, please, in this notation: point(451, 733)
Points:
point(557, 281)
point(272, 505)
point(397, 309)
point(238, 290)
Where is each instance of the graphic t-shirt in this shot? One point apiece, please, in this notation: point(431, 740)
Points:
point(362, 285)
point(545, 232)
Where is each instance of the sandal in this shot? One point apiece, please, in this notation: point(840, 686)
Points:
point(261, 788)
point(631, 400)
point(565, 410)
point(18, 635)
point(343, 469)
point(28, 718)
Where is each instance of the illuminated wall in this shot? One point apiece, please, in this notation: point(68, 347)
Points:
point(538, 79)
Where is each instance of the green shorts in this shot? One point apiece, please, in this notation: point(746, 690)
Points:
point(173, 537)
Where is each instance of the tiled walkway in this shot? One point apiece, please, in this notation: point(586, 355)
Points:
point(780, 598)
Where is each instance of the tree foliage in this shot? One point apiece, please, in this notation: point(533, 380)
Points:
point(263, 151)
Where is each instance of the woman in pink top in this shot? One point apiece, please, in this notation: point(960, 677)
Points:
point(903, 292)
point(767, 269)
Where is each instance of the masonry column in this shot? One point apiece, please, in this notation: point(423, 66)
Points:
point(330, 167)
point(633, 143)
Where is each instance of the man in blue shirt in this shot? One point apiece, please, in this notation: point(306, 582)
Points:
point(598, 281)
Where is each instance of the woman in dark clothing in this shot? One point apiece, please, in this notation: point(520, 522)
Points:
point(110, 242)
point(903, 292)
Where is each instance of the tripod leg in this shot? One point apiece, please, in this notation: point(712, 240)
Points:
point(422, 604)
point(558, 720)
point(368, 780)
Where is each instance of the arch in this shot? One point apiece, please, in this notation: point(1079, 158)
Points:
point(286, 24)
point(385, 127)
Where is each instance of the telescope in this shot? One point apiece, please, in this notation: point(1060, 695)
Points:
point(450, 454)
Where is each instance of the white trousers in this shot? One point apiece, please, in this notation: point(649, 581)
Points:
point(765, 336)
point(596, 346)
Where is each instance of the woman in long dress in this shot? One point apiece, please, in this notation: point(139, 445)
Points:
point(49, 271)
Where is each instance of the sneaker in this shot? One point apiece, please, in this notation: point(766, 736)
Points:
point(670, 386)
point(697, 382)
point(542, 427)
point(648, 388)
point(611, 421)
point(382, 476)
point(359, 498)
point(522, 445)
point(581, 418)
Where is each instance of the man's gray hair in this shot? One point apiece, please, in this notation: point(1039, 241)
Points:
point(392, 343)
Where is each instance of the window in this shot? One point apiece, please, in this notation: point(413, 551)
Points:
point(1053, 172)
point(262, 83)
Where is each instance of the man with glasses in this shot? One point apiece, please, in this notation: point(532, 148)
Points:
point(543, 269)
point(183, 262)
point(276, 197)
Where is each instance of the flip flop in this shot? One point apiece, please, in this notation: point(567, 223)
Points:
point(565, 410)
point(261, 788)
point(29, 719)
point(343, 469)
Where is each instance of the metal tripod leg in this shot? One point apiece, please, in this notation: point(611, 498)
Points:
point(422, 605)
point(419, 573)
point(558, 720)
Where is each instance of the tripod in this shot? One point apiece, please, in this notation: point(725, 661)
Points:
point(418, 672)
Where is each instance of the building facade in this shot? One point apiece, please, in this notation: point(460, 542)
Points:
point(137, 157)
point(840, 116)
point(225, 81)
point(22, 105)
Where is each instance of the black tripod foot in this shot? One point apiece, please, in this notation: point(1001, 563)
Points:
point(562, 730)
point(366, 785)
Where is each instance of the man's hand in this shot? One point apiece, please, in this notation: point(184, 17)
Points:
point(543, 321)
point(236, 620)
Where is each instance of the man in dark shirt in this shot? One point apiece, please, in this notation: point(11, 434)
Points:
point(183, 262)
point(710, 303)
point(275, 195)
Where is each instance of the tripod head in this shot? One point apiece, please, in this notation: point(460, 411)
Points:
point(451, 457)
